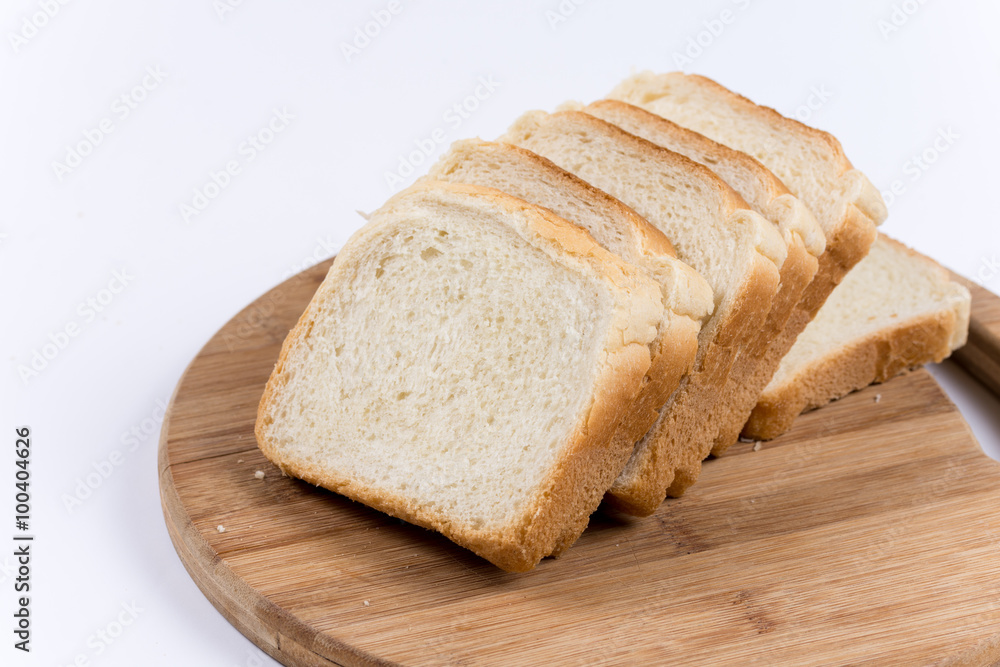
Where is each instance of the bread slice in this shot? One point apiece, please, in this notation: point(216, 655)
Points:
point(463, 366)
point(766, 195)
point(686, 296)
point(895, 310)
point(713, 231)
point(811, 163)
point(533, 178)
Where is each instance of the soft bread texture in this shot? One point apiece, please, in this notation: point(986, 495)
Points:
point(710, 226)
point(464, 366)
point(766, 195)
point(811, 163)
point(531, 177)
point(686, 296)
point(895, 310)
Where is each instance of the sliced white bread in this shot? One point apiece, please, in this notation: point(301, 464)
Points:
point(766, 195)
point(811, 163)
point(733, 248)
point(464, 366)
point(896, 310)
point(686, 296)
point(535, 179)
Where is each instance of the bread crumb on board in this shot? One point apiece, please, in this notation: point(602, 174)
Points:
point(878, 398)
point(366, 603)
point(259, 474)
point(220, 528)
point(239, 460)
point(757, 445)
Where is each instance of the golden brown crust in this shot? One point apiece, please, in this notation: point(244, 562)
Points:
point(588, 465)
point(567, 498)
point(731, 206)
point(690, 434)
point(670, 455)
point(670, 362)
point(862, 203)
point(677, 343)
point(844, 251)
point(755, 368)
point(850, 232)
point(748, 376)
point(673, 361)
point(674, 350)
point(865, 210)
point(673, 364)
point(651, 241)
point(643, 485)
point(732, 199)
point(876, 358)
point(775, 119)
point(696, 146)
point(654, 241)
point(585, 473)
point(767, 193)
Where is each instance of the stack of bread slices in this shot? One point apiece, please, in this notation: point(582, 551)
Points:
point(587, 308)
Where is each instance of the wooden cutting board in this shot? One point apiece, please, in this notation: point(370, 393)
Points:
point(869, 534)
point(981, 357)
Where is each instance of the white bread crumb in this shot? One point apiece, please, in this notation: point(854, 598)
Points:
point(220, 528)
point(757, 445)
point(259, 474)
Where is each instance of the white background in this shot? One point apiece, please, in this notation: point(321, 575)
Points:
point(224, 74)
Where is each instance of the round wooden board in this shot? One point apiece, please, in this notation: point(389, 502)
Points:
point(869, 533)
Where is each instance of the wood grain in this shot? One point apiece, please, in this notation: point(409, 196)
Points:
point(981, 356)
point(869, 534)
